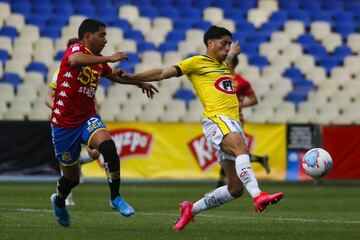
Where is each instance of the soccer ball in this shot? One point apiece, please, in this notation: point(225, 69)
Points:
point(317, 162)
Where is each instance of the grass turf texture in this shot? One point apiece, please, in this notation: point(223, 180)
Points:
point(328, 211)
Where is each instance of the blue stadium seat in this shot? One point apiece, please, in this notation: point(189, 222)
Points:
point(250, 49)
point(143, 3)
point(57, 21)
point(190, 13)
point(85, 10)
point(120, 23)
point(268, 28)
point(175, 36)
point(167, 46)
point(135, 35)
point(149, 12)
point(306, 40)
point(203, 4)
point(169, 12)
point(4, 56)
point(289, 6)
point(234, 14)
point(294, 74)
point(64, 10)
point(317, 51)
point(322, 16)
point(37, 67)
point(343, 16)
point(203, 25)
point(13, 78)
point(127, 66)
point(310, 6)
point(302, 16)
point(145, 46)
point(22, 8)
point(185, 94)
point(9, 31)
point(332, 5)
point(344, 29)
point(158, 3)
point(119, 3)
point(245, 5)
point(223, 4)
point(279, 17)
point(59, 55)
point(259, 61)
point(296, 97)
point(257, 38)
point(133, 57)
point(182, 4)
point(342, 52)
point(43, 10)
point(182, 24)
point(105, 83)
point(245, 28)
point(329, 63)
point(51, 32)
point(37, 20)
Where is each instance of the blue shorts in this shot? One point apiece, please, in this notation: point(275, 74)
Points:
point(67, 141)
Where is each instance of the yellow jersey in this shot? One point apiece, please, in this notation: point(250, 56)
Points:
point(213, 84)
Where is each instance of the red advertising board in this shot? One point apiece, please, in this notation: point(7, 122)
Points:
point(343, 144)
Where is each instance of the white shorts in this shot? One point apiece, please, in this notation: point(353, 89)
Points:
point(215, 129)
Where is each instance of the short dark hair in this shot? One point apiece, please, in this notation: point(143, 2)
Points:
point(89, 25)
point(215, 32)
point(72, 41)
point(234, 61)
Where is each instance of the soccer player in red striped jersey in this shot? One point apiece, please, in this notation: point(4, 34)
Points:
point(74, 119)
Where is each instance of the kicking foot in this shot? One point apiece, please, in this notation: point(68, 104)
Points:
point(122, 206)
point(186, 215)
point(264, 199)
point(62, 215)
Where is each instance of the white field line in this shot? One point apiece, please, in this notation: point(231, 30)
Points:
point(279, 219)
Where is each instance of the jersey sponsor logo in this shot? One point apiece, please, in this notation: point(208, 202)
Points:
point(205, 154)
point(65, 84)
point(225, 85)
point(132, 142)
point(67, 75)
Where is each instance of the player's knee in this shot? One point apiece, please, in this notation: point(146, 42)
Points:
point(94, 154)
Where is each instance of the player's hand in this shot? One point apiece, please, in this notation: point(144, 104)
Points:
point(234, 48)
point(118, 56)
point(148, 88)
point(120, 73)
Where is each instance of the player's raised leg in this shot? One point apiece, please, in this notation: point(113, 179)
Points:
point(234, 144)
point(102, 141)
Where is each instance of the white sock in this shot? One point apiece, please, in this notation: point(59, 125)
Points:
point(246, 174)
point(214, 199)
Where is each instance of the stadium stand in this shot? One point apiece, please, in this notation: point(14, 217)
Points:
point(301, 56)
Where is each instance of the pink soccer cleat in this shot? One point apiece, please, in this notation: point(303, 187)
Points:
point(186, 215)
point(264, 199)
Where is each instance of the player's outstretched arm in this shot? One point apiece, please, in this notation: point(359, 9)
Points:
point(81, 59)
point(233, 51)
point(117, 76)
point(249, 101)
point(156, 74)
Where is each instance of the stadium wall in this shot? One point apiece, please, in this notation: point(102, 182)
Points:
point(179, 150)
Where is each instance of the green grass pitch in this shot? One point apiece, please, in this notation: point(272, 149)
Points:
point(329, 211)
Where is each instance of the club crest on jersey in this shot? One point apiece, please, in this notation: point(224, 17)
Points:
point(225, 85)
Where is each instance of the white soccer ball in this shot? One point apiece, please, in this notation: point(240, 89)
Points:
point(317, 162)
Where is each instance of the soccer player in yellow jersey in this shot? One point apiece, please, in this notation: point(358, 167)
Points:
point(211, 79)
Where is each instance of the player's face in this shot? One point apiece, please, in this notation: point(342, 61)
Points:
point(98, 40)
point(220, 47)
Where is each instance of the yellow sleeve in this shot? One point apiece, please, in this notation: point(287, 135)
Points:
point(187, 66)
point(54, 79)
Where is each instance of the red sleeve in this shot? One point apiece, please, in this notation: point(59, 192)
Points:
point(107, 70)
point(245, 86)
